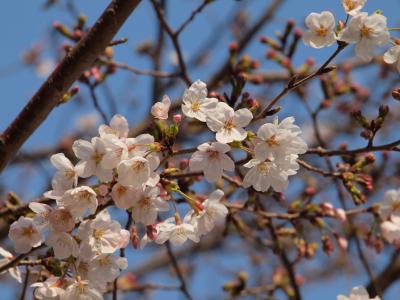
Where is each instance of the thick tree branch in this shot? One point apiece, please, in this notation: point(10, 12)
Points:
point(71, 67)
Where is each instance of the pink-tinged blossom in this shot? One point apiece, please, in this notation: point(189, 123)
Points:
point(123, 196)
point(79, 200)
point(213, 211)
point(91, 155)
point(390, 204)
point(51, 289)
point(195, 102)
point(118, 127)
point(228, 124)
point(391, 230)
point(160, 109)
point(366, 32)
point(64, 245)
point(212, 160)
point(25, 234)
point(321, 30)
point(82, 290)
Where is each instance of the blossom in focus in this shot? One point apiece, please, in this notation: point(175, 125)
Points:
point(353, 7)
point(82, 290)
point(213, 212)
point(160, 109)
point(134, 172)
point(321, 30)
point(357, 293)
point(79, 200)
point(212, 160)
point(279, 139)
point(147, 204)
point(118, 127)
point(267, 173)
point(177, 234)
point(228, 124)
point(366, 32)
point(392, 56)
point(25, 234)
point(195, 102)
point(91, 155)
point(123, 196)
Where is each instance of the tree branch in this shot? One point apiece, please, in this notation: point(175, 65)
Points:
point(71, 67)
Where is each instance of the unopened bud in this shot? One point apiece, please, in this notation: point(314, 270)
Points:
point(177, 118)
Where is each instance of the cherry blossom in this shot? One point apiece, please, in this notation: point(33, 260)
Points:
point(118, 127)
point(357, 293)
point(160, 109)
point(366, 32)
point(195, 102)
point(43, 211)
point(49, 289)
point(228, 124)
point(91, 155)
point(267, 173)
point(134, 172)
point(116, 151)
point(123, 196)
point(147, 204)
point(321, 30)
point(390, 204)
point(213, 212)
point(66, 176)
point(177, 234)
point(63, 244)
point(79, 200)
point(353, 7)
point(279, 139)
point(7, 257)
point(82, 290)
point(212, 160)
point(105, 268)
point(391, 229)
point(392, 56)
point(25, 234)
point(61, 219)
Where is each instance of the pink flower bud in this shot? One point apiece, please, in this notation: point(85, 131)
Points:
point(341, 215)
point(103, 190)
point(177, 118)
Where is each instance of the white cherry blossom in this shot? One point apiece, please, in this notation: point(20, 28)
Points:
point(66, 176)
point(212, 160)
point(267, 173)
point(391, 229)
point(134, 172)
point(195, 102)
point(102, 234)
point(91, 155)
point(61, 219)
point(118, 127)
point(213, 212)
point(116, 151)
point(63, 244)
point(81, 290)
point(140, 145)
point(25, 234)
point(15, 272)
point(105, 268)
point(43, 211)
point(357, 293)
point(49, 289)
point(321, 30)
point(160, 109)
point(177, 234)
point(390, 204)
point(147, 204)
point(392, 56)
point(123, 196)
point(366, 32)
point(228, 124)
point(279, 139)
point(79, 200)
point(353, 7)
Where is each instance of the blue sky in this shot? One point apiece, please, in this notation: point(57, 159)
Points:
point(23, 23)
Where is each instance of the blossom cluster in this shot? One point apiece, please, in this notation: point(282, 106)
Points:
point(129, 172)
point(363, 30)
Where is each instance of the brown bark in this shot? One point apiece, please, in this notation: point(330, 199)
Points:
point(71, 67)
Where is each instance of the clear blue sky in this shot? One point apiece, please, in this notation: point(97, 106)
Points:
point(23, 23)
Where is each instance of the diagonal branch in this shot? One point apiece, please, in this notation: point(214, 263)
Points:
point(71, 67)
